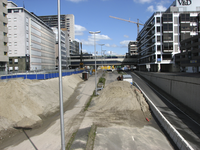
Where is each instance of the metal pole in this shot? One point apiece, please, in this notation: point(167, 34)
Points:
point(60, 85)
point(95, 66)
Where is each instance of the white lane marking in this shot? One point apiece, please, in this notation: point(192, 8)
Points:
point(170, 102)
point(133, 138)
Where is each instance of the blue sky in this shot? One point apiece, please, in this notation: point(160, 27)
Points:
point(93, 15)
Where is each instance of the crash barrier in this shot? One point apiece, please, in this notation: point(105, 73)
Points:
point(40, 75)
point(181, 143)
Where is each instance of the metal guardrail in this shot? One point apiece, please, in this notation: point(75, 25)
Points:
point(181, 143)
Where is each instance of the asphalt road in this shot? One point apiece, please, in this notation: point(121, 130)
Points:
point(184, 124)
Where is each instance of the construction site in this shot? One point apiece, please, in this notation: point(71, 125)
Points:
point(118, 118)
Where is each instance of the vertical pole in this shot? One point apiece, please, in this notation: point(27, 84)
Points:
point(60, 84)
point(95, 66)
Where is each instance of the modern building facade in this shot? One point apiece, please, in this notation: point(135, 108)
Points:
point(67, 25)
point(66, 21)
point(63, 48)
point(132, 48)
point(160, 38)
point(3, 36)
point(29, 38)
point(189, 57)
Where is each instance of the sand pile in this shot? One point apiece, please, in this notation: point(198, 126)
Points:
point(120, 103)
point(23, 103)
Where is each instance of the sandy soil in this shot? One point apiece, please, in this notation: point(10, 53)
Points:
point(119, 105)
point(24, 103)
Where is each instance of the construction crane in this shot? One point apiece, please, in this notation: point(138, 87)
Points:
point(138, 24)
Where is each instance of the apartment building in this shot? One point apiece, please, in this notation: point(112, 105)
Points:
point(30, 41)
point(63, 41)
point(132, 48)
point(3, 36)
point(67, 25)
point(160, 38)
point(189, 57)
point(66, 21)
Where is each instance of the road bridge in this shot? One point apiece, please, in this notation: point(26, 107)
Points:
point(104, 60)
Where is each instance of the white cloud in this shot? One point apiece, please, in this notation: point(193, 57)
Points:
point(150, 8)
point(76, 1)
point(142, 1)
point(125, 43)
point(98, 37)
point(108, 45)
point(79, 29)
point(159, 7)
point(126, 36)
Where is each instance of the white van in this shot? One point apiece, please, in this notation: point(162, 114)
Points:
point(128, 78)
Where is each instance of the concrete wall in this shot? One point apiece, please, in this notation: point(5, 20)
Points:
point(184, 89)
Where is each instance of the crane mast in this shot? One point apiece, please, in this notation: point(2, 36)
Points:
point(138, 24)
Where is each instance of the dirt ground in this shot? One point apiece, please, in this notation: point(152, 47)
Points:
point(119, 107)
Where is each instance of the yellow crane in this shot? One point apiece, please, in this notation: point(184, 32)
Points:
point(138, 24)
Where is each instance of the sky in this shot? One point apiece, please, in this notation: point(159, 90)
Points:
point(93, 15)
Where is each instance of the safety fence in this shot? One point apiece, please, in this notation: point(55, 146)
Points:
point(40, 75)
point(181, 143)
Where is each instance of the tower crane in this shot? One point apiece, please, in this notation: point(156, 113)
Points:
point(138, 24)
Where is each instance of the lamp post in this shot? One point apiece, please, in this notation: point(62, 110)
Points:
point(101, 53)
point(95, 59)
point(104, 55)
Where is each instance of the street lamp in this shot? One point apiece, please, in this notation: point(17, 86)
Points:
point(95, 59)
point(101, 53)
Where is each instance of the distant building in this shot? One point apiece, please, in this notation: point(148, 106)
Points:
point(66, 21)
point(160, 38)
point(64, 40)
point(67, 24)
point(189, 57)
point(132, 48)
point(3, 36)
point(30, 41)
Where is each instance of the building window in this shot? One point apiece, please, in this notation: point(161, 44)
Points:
point(158, 38)
point(9, 35)
point(5, 43)
point(9, 19)
point(158, 20)
point(9, 28)
point(185, 26)
point(168, 46)
point(167, 17)
point(15, 27)
point(16, 68)
point(5, 34)
point(26, 19)
point(16, 61)
point(158, 29)
point(15, 44)
point(15, 35)
point(185, 17)
point(16, 11)
point(10, 44)
point(167, 36)
point(5, 24)
point(5, 53)
point(10, 61)
point(9, 10)
point(15, 51)
point(168, 27)
point(10, 68)
point(158, 48)
point(4, 15)
point(4, 5)
point(185, 36)
point(15, 19)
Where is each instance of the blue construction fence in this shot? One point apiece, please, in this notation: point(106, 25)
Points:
point(40, 75)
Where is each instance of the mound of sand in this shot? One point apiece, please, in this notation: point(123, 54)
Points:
point(24, 102)
point(120, 103)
